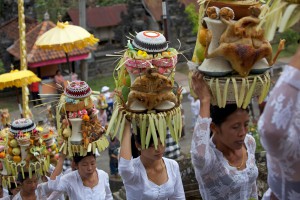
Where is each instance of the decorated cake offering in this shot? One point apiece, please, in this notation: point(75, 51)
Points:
point(77, 121)
point(237, 56)
point(145, 89)
point(23, 151)
point(48, 137)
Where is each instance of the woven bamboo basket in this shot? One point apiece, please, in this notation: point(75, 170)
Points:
point(238, 89)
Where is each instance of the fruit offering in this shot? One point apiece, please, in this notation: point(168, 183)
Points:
point(77, 121)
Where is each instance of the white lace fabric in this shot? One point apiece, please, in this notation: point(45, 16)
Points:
point(279, 128)
point(216, 178)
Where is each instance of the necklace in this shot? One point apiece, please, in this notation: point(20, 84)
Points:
point(240, 166)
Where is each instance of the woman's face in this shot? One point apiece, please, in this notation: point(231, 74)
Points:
point(152, 153)
point(29, 185)
point(87, 166)
point(233, 130)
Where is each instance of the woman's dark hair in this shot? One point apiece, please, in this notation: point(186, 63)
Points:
point(13, 185)
point(57, 71)
point(77, 158)
point(219, 115)
point(26, 175)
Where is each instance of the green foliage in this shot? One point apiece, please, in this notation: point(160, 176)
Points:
point(193, 17)
point(253, 131)
point(97, 83)
point(291, 43)
point(2, 70)
point(290, 36)
point(53, 7)
point(110, 2)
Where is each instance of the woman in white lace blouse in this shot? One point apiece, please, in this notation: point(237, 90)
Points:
point(279, 127)
point(87, 182)
point(149, 176)
point(224, 163)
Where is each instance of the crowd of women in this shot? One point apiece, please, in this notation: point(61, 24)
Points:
point(222, 154)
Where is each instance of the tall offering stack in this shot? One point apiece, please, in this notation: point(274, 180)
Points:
point(237, 56)
point(145, 90)
point(22, 150)
point(77, 122)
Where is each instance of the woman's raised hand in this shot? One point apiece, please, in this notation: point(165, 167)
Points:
point(200, 87)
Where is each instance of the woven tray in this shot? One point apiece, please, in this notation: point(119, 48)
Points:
point(238, 89)
point(79, 106)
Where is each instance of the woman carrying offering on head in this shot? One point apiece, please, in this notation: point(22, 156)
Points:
point(87, 182)
point(149, 176)
point(29, 188)
point(224, 163)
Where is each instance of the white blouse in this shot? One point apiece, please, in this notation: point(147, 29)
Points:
point(216, 178)
point(138, 186)
point(72, 184)
point(279, 128)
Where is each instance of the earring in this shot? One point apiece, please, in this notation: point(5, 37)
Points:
point(139, 149)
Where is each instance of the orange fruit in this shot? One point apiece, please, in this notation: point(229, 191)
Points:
point(2, 154)
point(17, 159)
point(9, 150)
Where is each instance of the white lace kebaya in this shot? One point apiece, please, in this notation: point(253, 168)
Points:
point(279, 128)
point(216, 178)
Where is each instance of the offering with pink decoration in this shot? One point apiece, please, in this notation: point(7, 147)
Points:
point(77, 122)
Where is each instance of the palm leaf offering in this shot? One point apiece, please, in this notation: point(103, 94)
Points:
point(145, 90)
point(233, 47)
point(279, 14)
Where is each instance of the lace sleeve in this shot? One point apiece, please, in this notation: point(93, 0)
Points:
point(279, 124)
point(254, 191)
point(202, 154)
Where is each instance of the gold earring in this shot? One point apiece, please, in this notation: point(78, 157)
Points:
point(139, 149)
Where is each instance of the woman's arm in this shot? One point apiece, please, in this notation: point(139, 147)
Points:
point(125, 151)
point(253, 194)
point(201, 152)
point(59, 167)
point(125, 165)
point(56, 181)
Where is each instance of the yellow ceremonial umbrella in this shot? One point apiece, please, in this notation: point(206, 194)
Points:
point(16, 78)
point(66, 37)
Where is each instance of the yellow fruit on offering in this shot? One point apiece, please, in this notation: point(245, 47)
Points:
point(13, 143)
point(16, 151)
point(53, 147)
point(17, 159)
point(202, 36)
